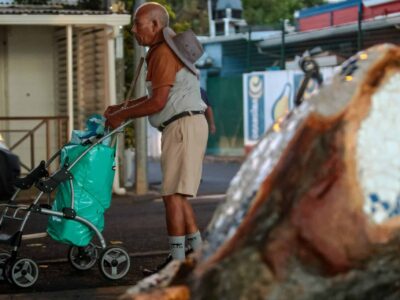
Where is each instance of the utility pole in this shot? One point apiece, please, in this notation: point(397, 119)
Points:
point(141, 182)
point(359, 23)
point(283, 46)
point(211, 23)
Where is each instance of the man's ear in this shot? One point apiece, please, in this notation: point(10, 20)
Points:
point(156, 25)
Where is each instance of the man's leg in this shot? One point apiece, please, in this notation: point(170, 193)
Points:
point(175, 219)
point(193, 236)
point(190, 219)
point(181, 164)
point(181, 223)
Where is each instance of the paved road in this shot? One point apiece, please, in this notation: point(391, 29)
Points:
point(137, 223)
point(217, 175)
point(139, 227)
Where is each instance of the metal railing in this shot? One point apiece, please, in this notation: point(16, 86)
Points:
point(61, 134)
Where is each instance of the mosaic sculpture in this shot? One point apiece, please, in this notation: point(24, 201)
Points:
point(313, 212)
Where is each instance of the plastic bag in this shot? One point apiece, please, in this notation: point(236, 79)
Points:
point(95, 127)
point(92, 181)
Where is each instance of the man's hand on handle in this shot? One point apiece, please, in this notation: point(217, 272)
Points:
point(114, 120)
point(113, 115)
point(116, 114)
point(112, 108)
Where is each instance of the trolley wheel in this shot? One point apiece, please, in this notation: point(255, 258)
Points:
point(114, 263)
point(83, 258)
point(4, 257)
point(23, 272)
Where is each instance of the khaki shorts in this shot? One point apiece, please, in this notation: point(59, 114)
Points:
point(183, 144)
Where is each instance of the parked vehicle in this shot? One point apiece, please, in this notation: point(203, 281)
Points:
point(9, 170)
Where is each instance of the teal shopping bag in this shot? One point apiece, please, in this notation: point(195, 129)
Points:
point(92, 181)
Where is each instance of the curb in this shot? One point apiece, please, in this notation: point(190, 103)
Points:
point(224, 159)
point(88, 294)
point(133, 255)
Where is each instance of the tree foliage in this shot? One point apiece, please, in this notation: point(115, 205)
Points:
point(190, 14)
point(185, 14)
point(194, 13)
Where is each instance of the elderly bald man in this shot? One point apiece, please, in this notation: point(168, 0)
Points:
point(175, 107)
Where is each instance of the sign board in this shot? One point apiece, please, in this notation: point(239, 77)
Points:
point(254, 118)
point(268, 96)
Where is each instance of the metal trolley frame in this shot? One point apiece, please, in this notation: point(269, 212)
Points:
point(113, 261)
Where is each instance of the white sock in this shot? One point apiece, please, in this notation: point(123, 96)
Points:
point(194, 240)
point(177, 247)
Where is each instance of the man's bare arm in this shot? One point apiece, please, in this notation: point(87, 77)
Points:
point(141, 108)
point(137, 101)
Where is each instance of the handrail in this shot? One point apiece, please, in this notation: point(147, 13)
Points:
point(61, 122)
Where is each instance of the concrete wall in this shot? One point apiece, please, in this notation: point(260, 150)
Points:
point(30, 80)
point(31, 71)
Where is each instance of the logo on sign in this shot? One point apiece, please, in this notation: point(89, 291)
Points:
point(256, 106)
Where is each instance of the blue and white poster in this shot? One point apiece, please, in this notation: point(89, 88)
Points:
point(269, 96)
point(278, 95)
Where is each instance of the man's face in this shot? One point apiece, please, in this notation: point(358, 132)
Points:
point(144, 29)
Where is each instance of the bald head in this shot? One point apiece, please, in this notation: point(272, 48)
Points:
point(154, 11)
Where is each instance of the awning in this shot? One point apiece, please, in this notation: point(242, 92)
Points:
point(65, 19)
